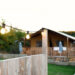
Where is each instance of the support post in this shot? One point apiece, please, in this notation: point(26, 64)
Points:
point(24, 45)
point(67, 46)
point(45, 47)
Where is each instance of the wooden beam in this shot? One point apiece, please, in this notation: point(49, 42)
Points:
point(45, 47)
point(45, 42)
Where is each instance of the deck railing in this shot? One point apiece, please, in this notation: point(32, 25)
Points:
point(51, 52)
point(72, 52)
point(32, 50)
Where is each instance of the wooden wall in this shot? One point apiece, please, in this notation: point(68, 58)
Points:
point(57, 37)
point(27, 65)
point(35, 39)
point(51, 36)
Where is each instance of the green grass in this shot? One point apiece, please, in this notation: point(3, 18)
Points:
point(1, 58)
point(60, 70)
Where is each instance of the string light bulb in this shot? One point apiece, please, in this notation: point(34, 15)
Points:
point(3, 31)
point(28, 35)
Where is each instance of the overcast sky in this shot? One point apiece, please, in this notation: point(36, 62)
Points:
point(31, 15)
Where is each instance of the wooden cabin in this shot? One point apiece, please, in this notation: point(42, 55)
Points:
point(54, 38)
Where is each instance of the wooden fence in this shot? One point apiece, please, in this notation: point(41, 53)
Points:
point(26, 65)
point(8, 56)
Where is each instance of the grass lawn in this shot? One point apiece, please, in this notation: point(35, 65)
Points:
point(1, 58)
point(60, 70)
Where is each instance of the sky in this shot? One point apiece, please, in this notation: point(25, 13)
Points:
point(32, 15)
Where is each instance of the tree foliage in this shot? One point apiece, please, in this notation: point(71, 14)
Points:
point(72, 33)
point(9, 41)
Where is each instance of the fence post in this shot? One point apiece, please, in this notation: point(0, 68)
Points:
point(45, 46)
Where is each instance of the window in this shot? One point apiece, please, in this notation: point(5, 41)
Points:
point(50, 44)
point(38, 43)
point(57, 43)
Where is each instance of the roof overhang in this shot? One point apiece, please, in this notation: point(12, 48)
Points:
point(60, 33)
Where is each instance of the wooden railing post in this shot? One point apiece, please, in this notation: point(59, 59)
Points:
point(45, 47)
point(67, 46)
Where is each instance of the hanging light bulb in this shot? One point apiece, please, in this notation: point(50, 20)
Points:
point(4, 28)
point(27, 36)
point(3, 31)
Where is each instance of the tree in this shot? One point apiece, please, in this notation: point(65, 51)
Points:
point(72, 33)
point(9, 41)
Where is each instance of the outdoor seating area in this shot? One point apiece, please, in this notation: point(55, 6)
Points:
point(60, 45)
point(24, 64)
point(44, 46)
point(37, 37)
